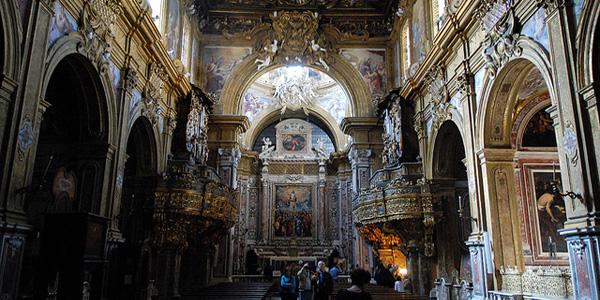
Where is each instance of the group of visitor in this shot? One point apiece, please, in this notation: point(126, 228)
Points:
point(306, 283)
point(301, 282)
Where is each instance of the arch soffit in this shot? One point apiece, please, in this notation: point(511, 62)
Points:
point(67, 46)
point(522, 119)
point(154, 139)
point(341, 71)
point(12, 34)
point(533, 55)
point(431, 153)
point(588, 39)
point(269, 117)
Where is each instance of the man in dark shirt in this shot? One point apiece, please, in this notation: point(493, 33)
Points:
point(324, 285)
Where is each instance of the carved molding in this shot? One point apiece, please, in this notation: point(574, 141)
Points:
point(293, 38)
point(500, 44)
point(96, 21)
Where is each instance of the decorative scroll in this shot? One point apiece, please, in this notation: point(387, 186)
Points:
point(96, 21)
point(498, 21)
point(293, 39)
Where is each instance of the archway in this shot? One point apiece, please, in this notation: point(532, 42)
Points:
point(519, 163)
point(68, 182)
point(135, 218)
point(450, 175)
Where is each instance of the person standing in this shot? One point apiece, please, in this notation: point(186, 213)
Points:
point(324, 285)
point(304, 281)
point(335, 271)
point(288, 285)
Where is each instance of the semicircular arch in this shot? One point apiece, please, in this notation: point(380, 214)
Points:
point(68, 47)
point(12, 34)
point(494, 114)
point(341, 71)
point(267, 118)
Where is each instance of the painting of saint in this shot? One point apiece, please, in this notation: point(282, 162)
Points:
point(539, 131)
point(173, 26)
point(294, 142)
point(420, 42)
point(370, 63)
point(551, 214)
point(293, 211)
point(219, 63)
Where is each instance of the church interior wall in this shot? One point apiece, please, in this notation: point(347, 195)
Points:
point(96, 100)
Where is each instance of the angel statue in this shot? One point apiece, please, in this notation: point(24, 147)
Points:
point(266, 144)
point(320, 148)
point(319, 52)
point(271, 51)
point(266, 148)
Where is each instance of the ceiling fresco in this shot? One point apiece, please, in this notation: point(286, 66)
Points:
point(361, 18)
point(313, 87)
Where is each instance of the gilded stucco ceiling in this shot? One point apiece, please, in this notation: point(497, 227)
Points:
point(373, 18)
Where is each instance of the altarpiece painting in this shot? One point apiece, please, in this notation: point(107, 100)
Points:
point(293, 211)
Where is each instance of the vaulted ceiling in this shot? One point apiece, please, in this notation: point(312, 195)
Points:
point(366, 18)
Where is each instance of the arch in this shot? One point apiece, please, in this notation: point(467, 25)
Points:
point(447, 140)
point(588, 43)
point(434, 137)
point(522, 119)
point(10, 39)
point(139, 180)
point(145, 140)
point(268, 117)
point(509, 188)
point(340, 70)
point(68, 47)
point(449, 172)
point(497, 104)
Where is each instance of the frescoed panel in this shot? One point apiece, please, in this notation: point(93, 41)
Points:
point(256, 101)
point(370, 63)
point(293, 211)
point(536, 28)
point(62, 23)
point(219, 63)
point(539, 131)
point(550, 213)
point(173, 27)
point(294, 142)
point(418, 29)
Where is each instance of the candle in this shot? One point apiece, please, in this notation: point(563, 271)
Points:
point(553, 172)
point(459, 204)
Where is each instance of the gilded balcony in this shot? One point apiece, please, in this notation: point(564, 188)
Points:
point(393, 194)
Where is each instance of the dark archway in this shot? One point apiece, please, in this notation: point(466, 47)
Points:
point(64, 201)
point(450, 174)
point(130, 278)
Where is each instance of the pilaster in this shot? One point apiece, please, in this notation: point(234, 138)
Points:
point(576, 150)
point(501, 206)
point(366, 136)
